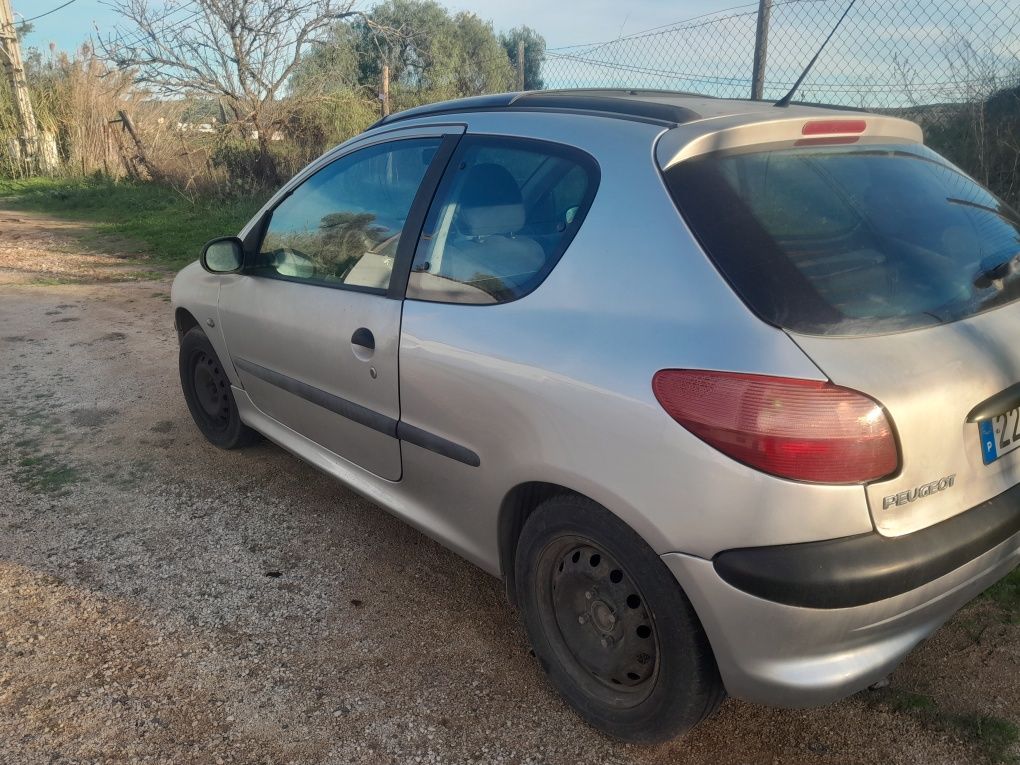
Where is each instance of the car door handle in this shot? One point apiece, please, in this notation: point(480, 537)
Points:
point(363, 338)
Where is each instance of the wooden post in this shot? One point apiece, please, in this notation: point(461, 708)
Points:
point(122, 152)
point(520, 64)
point(143, 158)
point(384, 90)
point(761, 44)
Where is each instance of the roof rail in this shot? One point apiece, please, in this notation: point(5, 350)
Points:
point(622, 103)
point(625, 92)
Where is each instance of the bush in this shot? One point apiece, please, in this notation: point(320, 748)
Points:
point(240, 161)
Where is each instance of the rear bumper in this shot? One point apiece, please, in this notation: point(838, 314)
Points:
point(867, 568)
point(849, 621)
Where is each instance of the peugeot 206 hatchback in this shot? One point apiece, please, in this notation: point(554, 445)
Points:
point(727, 393)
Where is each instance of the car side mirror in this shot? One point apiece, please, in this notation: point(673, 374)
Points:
point(223, 255)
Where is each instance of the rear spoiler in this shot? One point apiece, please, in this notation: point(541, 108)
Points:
point(798, 127)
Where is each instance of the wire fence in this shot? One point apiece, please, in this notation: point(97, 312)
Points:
point(886, 55)
point(953, 66)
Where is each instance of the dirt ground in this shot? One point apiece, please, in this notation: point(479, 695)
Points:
point(162, 601)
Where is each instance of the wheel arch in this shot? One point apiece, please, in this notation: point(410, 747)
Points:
point(519, 503)
point(184, 320)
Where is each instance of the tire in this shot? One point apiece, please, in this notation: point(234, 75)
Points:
point(611, 626)
point(207, 391)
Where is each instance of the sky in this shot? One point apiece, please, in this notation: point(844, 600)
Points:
point(561, 22)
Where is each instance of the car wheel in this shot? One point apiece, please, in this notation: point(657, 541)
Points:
point(207, 391)
point(610, 625)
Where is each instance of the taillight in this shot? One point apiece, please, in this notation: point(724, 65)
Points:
point(831, 132)
point(805, 430)
point(833, 127)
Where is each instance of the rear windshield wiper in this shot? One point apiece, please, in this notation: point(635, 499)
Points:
point(978, 206)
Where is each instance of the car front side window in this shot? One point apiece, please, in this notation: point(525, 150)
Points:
point(341, 227)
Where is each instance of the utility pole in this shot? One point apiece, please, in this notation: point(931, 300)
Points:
point(384, 90)
point(520, 64)
point(10, 52)
point(761, 44)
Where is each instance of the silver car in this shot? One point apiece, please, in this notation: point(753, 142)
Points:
point(727, 393)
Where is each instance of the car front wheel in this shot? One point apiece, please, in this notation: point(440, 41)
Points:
point(611, 626)
point(207, 392)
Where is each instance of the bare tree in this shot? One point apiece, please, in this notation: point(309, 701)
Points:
point(239, 51)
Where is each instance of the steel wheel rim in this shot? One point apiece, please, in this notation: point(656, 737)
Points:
point(212, 390)
point(598, 621)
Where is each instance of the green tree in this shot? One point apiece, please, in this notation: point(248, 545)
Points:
point(483, 66)
point(328, 101)
point(417, 39)
point(534, 53)
point(431, 55)
point(332, 66)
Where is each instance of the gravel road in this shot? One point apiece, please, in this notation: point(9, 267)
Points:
point(165, 602)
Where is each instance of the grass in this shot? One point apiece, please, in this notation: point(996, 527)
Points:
point(170, 227)
point(1006, 595)
point(126, 276)
point(994, 737)
point(45, 474)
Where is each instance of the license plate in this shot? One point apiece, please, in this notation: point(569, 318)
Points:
point(999, 435)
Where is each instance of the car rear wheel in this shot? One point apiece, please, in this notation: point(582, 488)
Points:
point(207, 392)
point(611, 626)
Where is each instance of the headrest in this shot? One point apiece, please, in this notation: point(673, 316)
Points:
point(491, 201)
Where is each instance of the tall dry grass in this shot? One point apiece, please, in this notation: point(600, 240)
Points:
point(74, 98)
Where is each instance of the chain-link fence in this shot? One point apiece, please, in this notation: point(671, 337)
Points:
point(886, 55)
point(951, 65)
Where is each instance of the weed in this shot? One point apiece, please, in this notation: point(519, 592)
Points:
point(45, 474)
point(54, 281)
point(905, 701)
point(1006, 595)
point(124, 276)
point(129, 475)
point(993, 736)
point(41, 420)
point(997, 737)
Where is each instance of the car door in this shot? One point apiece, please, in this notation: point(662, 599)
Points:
point(311, 323)
point(505, 212)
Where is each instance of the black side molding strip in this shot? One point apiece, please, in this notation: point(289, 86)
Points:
point(361, 414)
point(854, 571)
point(356, 412)
point(1001, 402)
point(437, 444)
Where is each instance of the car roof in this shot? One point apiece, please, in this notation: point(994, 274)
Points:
point(695, 124)
point(659, 106)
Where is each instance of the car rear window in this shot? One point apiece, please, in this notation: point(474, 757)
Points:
point(851, 240)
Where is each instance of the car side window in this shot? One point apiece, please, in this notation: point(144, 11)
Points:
point(341, 227)
point(504, 213)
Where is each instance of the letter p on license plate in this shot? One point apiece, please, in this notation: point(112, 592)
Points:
point(999, 435)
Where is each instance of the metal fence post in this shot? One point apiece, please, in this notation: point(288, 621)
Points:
point(761, 44)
